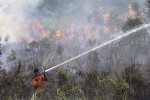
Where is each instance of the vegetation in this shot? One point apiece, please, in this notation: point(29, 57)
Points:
point(130, 84)
point(131, 23)
point(148, 6)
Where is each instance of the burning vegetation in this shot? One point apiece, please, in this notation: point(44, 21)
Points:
point(58, 34)
point(131, 12)
point(53, 31)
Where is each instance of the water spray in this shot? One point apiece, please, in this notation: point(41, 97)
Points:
point(100, 46)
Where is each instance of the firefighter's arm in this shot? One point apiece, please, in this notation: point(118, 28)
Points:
point(44, 77)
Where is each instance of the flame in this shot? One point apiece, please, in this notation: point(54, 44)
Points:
point(131, 12)
point(106, 16)
point(106, 29)
point(58, 33)
point(41, 28)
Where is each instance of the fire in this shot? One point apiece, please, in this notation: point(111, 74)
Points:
point(131, 12)
point(59, 33)
point(41, 28)
point(106, 29)
point(106, 16)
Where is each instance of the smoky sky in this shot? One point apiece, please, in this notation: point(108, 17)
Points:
point(28, 20)
point(53, 13)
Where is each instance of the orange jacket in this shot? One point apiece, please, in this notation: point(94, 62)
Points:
point(37, 81)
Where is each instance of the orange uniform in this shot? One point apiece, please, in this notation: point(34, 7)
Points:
point(37, 81)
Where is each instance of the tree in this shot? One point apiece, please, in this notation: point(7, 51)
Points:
point(114, 88)
point(14, 85)
point(12, 56)
point(0, 47)
point(136, 8)
point(114, 21)
point(60, 49)
point(7, 38)
point(91, 84)
point(131, 23)
point(136, 81)
point(93, 60)
point(148, 6)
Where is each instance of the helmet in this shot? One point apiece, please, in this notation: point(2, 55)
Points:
point(36, 70)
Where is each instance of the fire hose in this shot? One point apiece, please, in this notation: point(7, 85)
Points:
point(100, 46)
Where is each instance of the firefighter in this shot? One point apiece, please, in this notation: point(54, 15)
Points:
point(38, 79)
point(37, 82)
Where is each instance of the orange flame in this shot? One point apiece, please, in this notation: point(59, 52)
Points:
point(106, 16)
point(42, 30)
point(131, 12)
point(58, 33)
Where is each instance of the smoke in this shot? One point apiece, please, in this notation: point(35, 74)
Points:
point(19, 18)
point(77, 25)
point(14, 14)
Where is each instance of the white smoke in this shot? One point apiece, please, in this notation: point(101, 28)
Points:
point(13, 16)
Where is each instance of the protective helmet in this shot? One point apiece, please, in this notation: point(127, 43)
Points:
point(36, 70)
